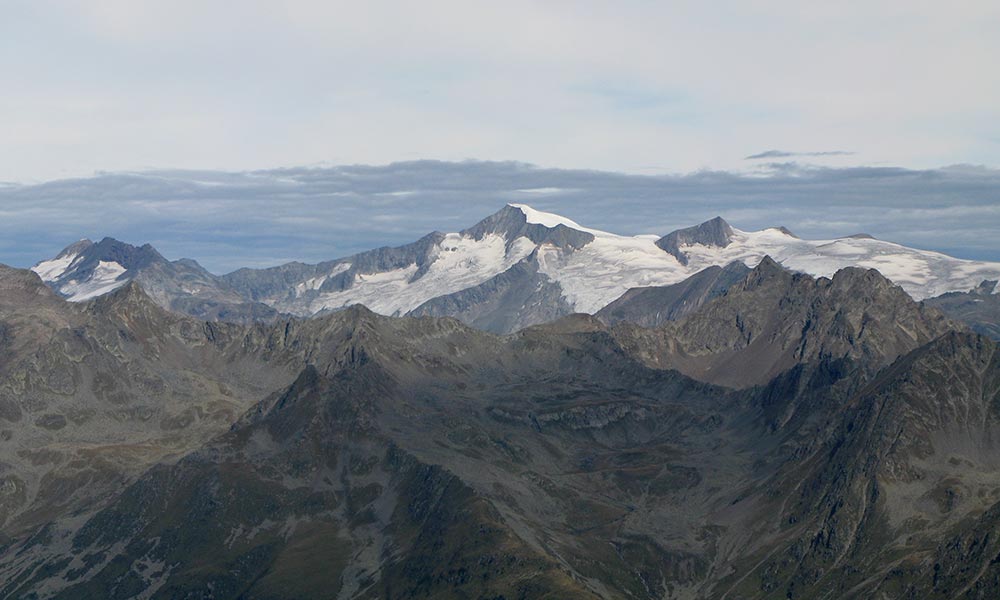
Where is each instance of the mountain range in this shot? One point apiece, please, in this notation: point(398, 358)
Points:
point(528, 408)
point(788, 437)
point(515, 268)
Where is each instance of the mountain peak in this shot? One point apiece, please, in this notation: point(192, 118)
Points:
point(551, 220)
point(714, 232)
point(128, 256)
point(766, 270)
point(519, 220)
point(84, 269)
point(127, 299)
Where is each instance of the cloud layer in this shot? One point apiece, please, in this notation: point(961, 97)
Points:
point(227, 220)
point(785, 154)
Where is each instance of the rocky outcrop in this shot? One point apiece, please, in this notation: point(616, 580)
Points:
point(361, 456)
point(654, 306)
point(978, 308)
point(775, 319)
point(714, 232)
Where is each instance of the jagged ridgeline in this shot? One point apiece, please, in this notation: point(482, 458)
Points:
point(521, 267)
point(743, 433)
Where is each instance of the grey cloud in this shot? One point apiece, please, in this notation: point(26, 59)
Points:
point(784, 154)
point(227, 220)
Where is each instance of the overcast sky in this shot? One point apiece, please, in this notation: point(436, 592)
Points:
point(219, 130)
point(636, 86)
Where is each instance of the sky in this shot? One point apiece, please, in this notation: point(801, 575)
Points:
point(634, 86)
point(252, 133)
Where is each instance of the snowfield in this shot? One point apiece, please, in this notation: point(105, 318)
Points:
point(459, 262)
point(603, 270)
point(104, 279)
point(590, 276)
point(50, 270)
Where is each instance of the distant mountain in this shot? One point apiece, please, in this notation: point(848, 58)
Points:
point(85, 270)
point(478, 275)
point(145, 454)
point(514, 299)
point(515, 268)
point(713, 233)
point(979, 307)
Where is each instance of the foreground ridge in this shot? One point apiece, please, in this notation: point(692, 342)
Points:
point(847, 450)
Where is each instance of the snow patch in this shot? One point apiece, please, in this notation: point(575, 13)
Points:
point(104, 279)
point(598, 273)
point(459, 262)
point(50, 270)
point(537, 217)
point(314, 283)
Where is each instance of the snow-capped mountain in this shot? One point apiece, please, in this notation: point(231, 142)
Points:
point(591, 267)
point(85, 270)
point(517, 267)
point(394, 281)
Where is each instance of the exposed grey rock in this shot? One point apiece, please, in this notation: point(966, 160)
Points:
point(654, 306)
point(380, 457)
point(978, 308)
point(514, 299)
point(774, 319)
point(278, 285)
point(714, 232)
point(511, 222)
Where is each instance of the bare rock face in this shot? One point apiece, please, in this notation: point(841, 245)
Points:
point(979, 308)
point(513, 300)
point(654, 306)
point(715, 232)
point(775, 319)
point(148, 455)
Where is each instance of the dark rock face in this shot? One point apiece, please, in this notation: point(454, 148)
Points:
point(654, 306)
point(774, 319)
point(518, 297)
point(715, 232)
point(146, 454)
point(978, 308)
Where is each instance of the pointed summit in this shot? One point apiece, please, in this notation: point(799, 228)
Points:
point(769, 266)
point(714, 232)
point(518, 220)
point(767, 270)
point(130, 294)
